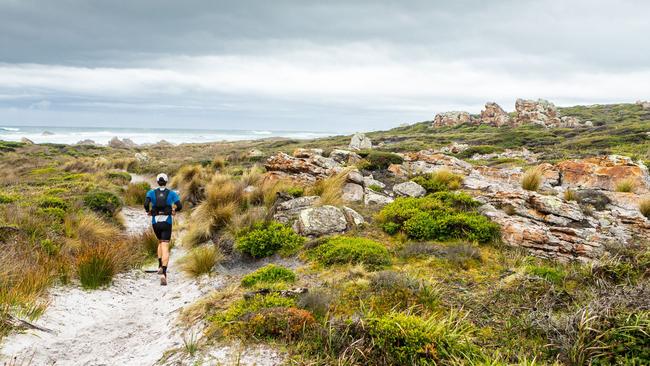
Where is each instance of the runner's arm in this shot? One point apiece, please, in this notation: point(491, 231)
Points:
point(147, 203)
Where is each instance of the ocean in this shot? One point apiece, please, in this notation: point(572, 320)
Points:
point(101, 135)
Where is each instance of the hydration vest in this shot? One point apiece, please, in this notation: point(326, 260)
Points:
point(161, 207)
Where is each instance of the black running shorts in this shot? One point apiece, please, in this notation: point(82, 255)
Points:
point(163, 230)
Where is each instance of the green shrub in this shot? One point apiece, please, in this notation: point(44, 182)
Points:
point(246, 306)
point(268, 238)
point(378, 160)
point(551, 274)
point(295, 191)
point(121, 178)
point(268, 274)
point(102, 202)
point(401, 339)
point(53, 212)
point(345, 249)
point(7, 198)
point(442, 180)
point(55, 202)
point(136, 192)
point(440, 216)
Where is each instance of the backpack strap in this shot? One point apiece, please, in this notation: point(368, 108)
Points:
point(161, 207)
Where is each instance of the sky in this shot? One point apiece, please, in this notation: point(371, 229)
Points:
point(330, 66)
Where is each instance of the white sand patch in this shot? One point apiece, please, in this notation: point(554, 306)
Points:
point(132, 322)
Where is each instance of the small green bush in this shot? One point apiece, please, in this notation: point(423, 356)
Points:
point(286, 323)
point(55, 202)
point(378, 160)
point(401, 339)
point(440, 216)
point(135, 193)
point(7, 198)
point(102, 202)
point(246, 306)
point(551, 274)
point(268, 274)
point(442, 180)
point(375, 187)
point(53, 212)
point(121, 178)
point(268, 238)
point(345, 249)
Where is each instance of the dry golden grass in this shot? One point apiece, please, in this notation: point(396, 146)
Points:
point(532, 179)
point(201, 260)
point(644, 207)
point(570, 195)
point(93, 230)
point(135, 193)
point(626, 185)
point(330, 190)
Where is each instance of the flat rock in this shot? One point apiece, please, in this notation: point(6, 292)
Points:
point(409, 189)
point(322, 220)
point(352, 192)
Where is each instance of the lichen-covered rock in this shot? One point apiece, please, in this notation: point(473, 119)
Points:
point(541, 112)
point(354, 218)
point(345, 157)
point(522, 153)
point(427, 161)
point(409, 189)
point(454, 148)
point(604, 173)
point(452, 118)
point(322, 220)
point(286, 212)
point(373, 198)
point(494, 115)
point(354, 176)
point(370, 181)
point(288, 164)
point(352, 192)
point(307, 153)
point(325, 163)
point(359, 141)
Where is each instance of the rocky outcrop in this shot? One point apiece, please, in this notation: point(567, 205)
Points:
point(345, 157)
point(451, 119)
point(26, 141)
point(125, 143)
point(427, 161)
point(288, 164)
point(359, 141)
point(319, 221)
point(541, 112)
point(409, 189)
point(286, 212)
point(307, 153)
point(494, 115)
point(373, 198)
point(454, 148)
point(87, 142)
point(604, 173)
point(643, 104)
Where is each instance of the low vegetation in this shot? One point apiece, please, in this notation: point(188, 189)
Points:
point(532, 179)
point(441, 180)
point(266, 239)
point(201, 260)
point(625, 185)
point(352, 250)
point(269, 275)
point(135, 193)
point(644, 207)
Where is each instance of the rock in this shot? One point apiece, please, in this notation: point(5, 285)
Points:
point(163, 143)
point(540, 112)
point(87, 142)
point(397, 170)
point(126, 143)
point(644, 104)
point(454, 148)
point(319, 221)
point(523, 153)
point(494, 115)
point(603, 173)
point(373, 198)
point(550, 174)
point(288, 164)
point(47, 133)
point(345, 156)
point(355, 177)
point(427, 161)
point(288, 211)
point(569, 122)
point(325, 163)
point(451, 119)
point(141, 157)
point(353, 217)
point(352, 192)
point(596, 199)
point(369, 181)
point(307, 153)
point(254, 154)
point(410, 189)
point(26, 141)
point(249, 189)
point(588, 124)
point(359, 141)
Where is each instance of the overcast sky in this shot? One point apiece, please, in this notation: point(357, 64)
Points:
point(310, 65)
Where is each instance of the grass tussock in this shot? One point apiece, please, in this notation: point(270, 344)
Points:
point(571, 195)
point(135, 193)
point(330, 190)
point(441, 180)
point(201, 260)
point(626, 185)
point(532, 179)
point(644, 207)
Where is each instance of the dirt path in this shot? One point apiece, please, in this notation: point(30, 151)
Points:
point(132, 322)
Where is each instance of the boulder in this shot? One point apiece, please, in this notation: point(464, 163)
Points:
point(359, 141)
point(397, 170)
point(355, 177)
point(319, 221)
point(325, 163)
point(87, 142)
point(126, 143)
point(373, 198)
point(494, 115)
point(539, 111)
point(370, 181)
point(452, 118)
point(288, 211)
point(596, 199)
point(288, 164)
point(352, 192)
point(162, 143)
point(254, 154)
point(26, 141)
point(47, 133)
point(454, 148)
point(427, 161)
point(643, 104)
point(307, 153)
point(353, 217)
point(409, 189)
point(345, 156)
point(603, 173)
point(141, 157)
